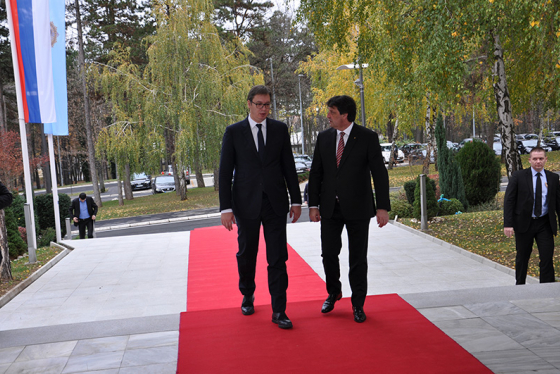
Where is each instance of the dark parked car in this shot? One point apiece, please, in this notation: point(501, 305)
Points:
point(552, 142)
point(140, 181)
point(163, 183)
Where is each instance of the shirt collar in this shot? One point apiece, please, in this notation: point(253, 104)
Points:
point(253, 123)
point(534, 172)
point(347, 130)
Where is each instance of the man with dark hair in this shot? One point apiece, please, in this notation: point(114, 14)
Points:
point(83, 211)
point(340, 194)
point(531, 204)
point(257, 153)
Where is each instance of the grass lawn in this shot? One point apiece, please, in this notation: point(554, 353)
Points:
point(482, 233)
point(197, 198)
point(21, 269)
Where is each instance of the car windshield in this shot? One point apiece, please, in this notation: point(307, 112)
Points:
point(137, 176)
point(386, 148)
point(165, 179)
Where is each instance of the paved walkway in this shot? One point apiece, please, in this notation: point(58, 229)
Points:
point(112, 304)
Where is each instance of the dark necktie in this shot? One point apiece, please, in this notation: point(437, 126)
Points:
point(260, 139)
point(340, 149)
point(538, 196)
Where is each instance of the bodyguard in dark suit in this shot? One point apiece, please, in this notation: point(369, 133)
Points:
point(83, 211)
point(531, 204)
point(257, 154)
point(340, 194)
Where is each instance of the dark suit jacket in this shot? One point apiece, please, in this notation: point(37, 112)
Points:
point(75, 207)
point(519, 199)
point(5, 197)
point(251, 177)
point(351, 181)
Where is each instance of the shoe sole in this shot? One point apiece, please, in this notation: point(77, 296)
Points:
point(285, 327)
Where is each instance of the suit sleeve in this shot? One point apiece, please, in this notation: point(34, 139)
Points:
point(289, 169)
point(71, 209)
point(227, 164)
point(510, 199)
point(5, 197)
point(94, 208)
point(379, 174)
point(315, 176)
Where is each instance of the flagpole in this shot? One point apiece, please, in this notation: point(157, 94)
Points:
point(54, 189)
point(31, 237)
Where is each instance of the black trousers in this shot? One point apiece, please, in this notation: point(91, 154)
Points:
point(541, 232)
point(331, 244)
point(82, 224)
point(248, 232)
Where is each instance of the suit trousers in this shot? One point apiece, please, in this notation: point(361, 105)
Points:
point(539, 231)
point(82, 224)
point(274, 228)
point(331, 244)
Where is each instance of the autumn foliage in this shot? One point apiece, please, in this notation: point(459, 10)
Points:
point(10, 157)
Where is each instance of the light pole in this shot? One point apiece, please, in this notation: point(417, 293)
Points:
point(360, 83)
point(273, 95)
point(301, 114)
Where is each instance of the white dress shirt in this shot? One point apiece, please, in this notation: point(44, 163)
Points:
point(544, 185)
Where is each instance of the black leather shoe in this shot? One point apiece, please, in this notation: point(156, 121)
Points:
point(247, 307)
point(282, 320)
point(359, 315)
point(329, 303)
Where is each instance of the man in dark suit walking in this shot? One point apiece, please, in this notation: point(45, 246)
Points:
point(257, 153)
point(340, 194)
point(531, 204)
point(83, 211)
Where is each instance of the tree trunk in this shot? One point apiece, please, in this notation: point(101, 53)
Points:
point(102, 176)
point(5, 265)
point(216, 179)
point(126, 180)
point(119, 184)
point(434, 140)
point(199, 176)
point(395, 136)
point(429, 136)
point(182, 183)
point(89, 130)
point(503, 107)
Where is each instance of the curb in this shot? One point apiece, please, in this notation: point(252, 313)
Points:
point(158, 222)
point(464, 252)
point(66, 249)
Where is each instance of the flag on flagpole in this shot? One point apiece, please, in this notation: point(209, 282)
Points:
point(58, 42)
point(31, 30)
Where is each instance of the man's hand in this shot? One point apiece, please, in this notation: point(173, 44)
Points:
point(228, 219)
point(93, 218)
point(314, 215)
point(295, 212)
point(508, 231)
point(75, 219)
point(382, 217)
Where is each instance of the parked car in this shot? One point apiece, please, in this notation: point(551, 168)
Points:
point(525, 146)
point(169, 171)
point(301, 167)
point(552, 142)
point(304, 159)
point(163, 183)
point(386, 151)
point(497, 146)
point(140, 181)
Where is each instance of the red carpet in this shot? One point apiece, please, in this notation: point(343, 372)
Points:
point(214, 337)
point(213, 278)
point(394, 339)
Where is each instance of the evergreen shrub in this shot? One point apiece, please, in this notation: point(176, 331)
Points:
point(450, 207)
point(400, 208)
point(45, 211)
point(481, 172)
point(16, 244)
